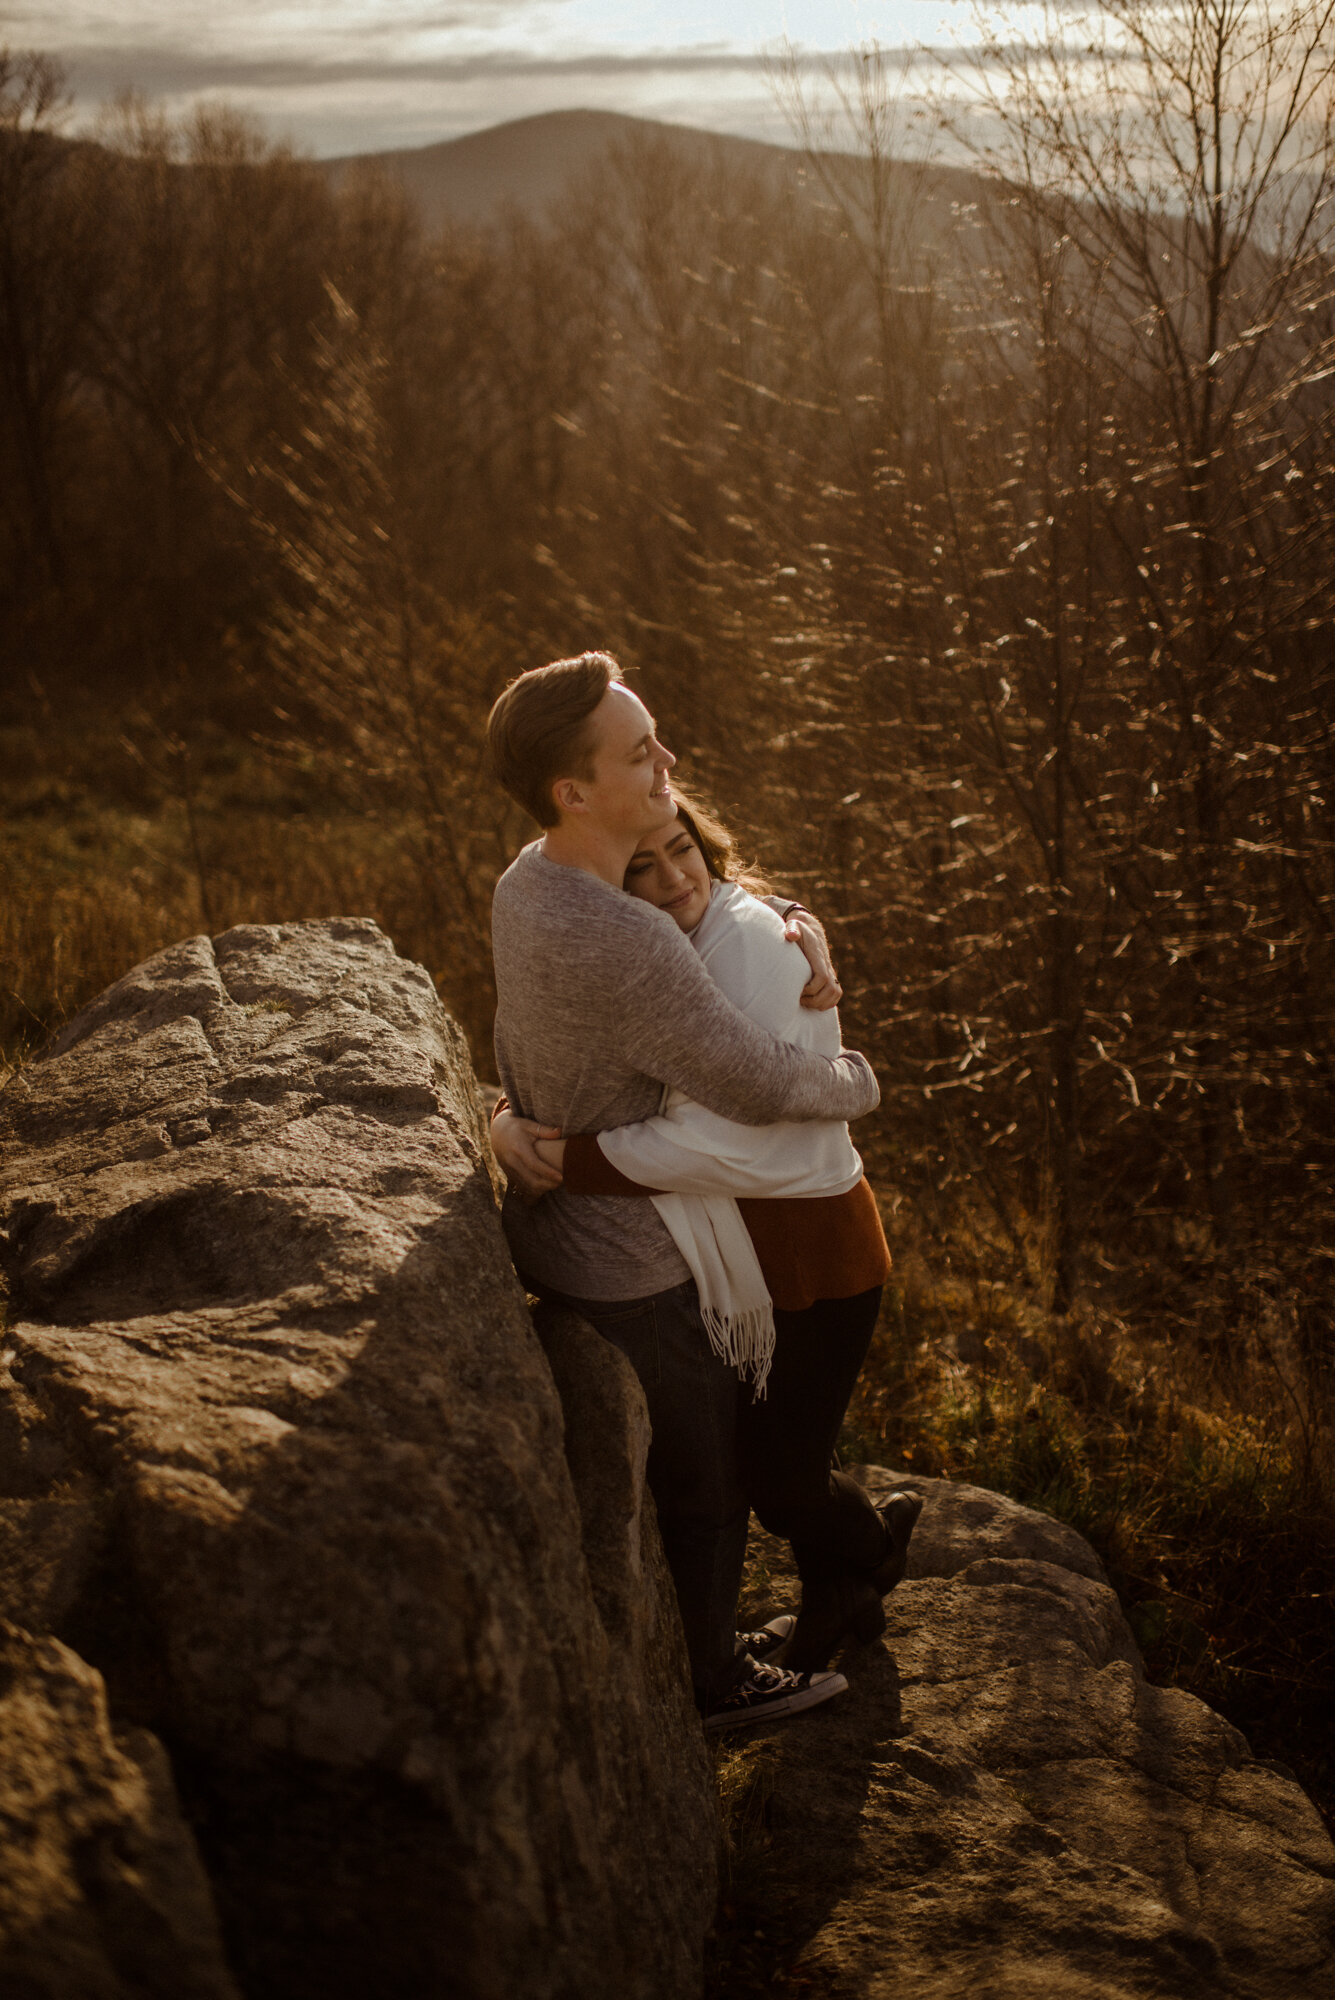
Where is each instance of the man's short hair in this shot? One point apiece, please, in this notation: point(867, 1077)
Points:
point(539, 731)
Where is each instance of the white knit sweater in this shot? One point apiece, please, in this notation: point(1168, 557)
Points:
point(707, 1160)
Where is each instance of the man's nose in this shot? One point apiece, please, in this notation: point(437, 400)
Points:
point(663, 757)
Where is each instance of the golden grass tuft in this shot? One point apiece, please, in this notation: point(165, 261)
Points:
point(90, 889)
point(1202, 1470)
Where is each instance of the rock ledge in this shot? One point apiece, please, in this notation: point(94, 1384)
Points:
point(1002, 1805)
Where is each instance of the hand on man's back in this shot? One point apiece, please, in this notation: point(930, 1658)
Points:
point(822, 990)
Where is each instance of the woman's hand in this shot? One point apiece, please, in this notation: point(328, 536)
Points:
point(822, 990)
point(515, 1141)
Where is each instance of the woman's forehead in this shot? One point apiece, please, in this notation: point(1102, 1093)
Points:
point(663, 837)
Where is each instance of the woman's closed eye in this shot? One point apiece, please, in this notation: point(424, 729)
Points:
point(640, 862)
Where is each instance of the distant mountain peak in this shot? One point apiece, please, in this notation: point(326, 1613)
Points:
point(528, 161)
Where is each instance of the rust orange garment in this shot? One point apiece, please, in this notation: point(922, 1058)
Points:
point(809, 1247)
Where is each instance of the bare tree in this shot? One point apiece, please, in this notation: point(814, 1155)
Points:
point(53, 264)
point(375, 675)
point(1184, 160)
point(1036, 626)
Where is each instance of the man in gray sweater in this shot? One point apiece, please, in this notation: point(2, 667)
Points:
point(601, 1000)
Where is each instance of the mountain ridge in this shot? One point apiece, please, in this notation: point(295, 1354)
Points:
point(528, 162)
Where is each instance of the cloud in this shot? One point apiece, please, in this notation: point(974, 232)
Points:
point(109, 19)
point(145, 30)
point(177, 72)
point(174, 71)
point(339, 75)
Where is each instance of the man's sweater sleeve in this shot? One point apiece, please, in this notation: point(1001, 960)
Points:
point(675, 1024)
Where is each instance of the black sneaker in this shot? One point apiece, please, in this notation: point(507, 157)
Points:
point(770, 1692)
point(769, 1640)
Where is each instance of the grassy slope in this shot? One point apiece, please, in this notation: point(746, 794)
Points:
point(109, 852)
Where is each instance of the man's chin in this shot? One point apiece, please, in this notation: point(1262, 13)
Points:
point(664, 809)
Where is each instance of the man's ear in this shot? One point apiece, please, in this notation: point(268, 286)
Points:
point(568, 796)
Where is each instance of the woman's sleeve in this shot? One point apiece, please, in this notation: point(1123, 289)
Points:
point(587, 1170)
point(701, 1153)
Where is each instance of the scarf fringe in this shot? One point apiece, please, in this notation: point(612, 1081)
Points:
point(745, 1340)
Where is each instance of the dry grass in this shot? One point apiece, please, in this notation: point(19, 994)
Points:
point(1201, 1465)
point(100, 867)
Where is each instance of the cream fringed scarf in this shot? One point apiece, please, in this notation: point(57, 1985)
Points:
point(708, 1160)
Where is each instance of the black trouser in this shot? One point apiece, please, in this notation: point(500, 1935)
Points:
point(692, 1398)
point(786, 1440)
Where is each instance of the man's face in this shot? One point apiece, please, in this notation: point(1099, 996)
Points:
point(628, 794)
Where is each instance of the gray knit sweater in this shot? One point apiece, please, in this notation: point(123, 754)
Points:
point(601, 1000)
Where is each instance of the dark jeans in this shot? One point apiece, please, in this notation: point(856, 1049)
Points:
point(786, 1440)
point(693, 1476)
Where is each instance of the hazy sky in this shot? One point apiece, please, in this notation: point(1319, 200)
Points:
point(357, 75)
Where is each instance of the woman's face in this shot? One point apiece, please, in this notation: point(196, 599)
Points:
point(668, 870)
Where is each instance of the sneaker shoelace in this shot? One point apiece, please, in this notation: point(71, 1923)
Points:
point(764, 1681)
point(760, 1642)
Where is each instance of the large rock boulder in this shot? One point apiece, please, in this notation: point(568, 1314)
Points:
point(287, 1464)
point(101, 1891)
point(1003, 1805)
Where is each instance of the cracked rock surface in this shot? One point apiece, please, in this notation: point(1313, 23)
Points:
point(284, 1461)
point(1003, 1806)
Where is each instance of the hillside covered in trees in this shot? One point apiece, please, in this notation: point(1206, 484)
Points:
point(970, 533)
